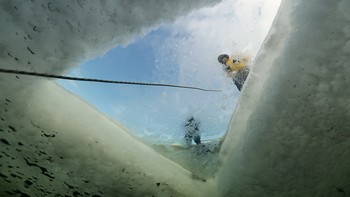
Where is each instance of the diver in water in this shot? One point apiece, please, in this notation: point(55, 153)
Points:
point(192, 132)
point(236, 69)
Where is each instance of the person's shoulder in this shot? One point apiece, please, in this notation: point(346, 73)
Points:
point(240, 57)
point(245, 59)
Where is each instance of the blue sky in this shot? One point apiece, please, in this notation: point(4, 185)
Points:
point(135, 62)
point(182, 53)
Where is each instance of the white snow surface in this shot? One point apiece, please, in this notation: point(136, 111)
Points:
point(289, 135)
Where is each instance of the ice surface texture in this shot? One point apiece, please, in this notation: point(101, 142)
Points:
point(54, 143)
point(290, 135)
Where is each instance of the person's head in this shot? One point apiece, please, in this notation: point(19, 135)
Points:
point(223, 58)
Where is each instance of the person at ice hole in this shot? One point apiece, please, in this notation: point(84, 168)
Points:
point(192, 132)
point(236, 69)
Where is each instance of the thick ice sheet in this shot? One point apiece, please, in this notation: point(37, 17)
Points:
point(290, 134)
point(56, 35)
point(54, 143)
point(67, 148)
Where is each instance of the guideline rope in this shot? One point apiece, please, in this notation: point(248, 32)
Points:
point(18, 72)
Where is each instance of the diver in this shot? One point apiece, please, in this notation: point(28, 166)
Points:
point(236, 69)
point(192, 132)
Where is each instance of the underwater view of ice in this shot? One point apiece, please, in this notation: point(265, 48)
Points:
point(289, 133)
point(182, 52)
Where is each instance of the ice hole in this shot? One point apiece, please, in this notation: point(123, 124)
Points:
point(183, 52)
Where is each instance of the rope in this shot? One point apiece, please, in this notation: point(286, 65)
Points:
point(99, 80)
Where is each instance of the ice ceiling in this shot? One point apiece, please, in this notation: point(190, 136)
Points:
point(289, 136)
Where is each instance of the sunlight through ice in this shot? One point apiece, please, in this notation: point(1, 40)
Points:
point(233, 27)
